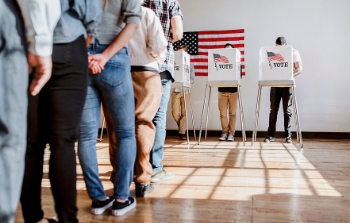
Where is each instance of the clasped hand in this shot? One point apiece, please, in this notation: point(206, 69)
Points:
point(96, 63)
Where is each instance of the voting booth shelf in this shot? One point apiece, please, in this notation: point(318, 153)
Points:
point(224, 64)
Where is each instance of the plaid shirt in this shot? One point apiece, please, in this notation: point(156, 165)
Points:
point(165, 10)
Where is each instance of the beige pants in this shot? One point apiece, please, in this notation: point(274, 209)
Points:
point(178, 110)
point(228, 101)
point(147, 92)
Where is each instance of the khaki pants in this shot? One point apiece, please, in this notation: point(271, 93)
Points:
point(178, 110)
point(147, 92)
point(228, 101)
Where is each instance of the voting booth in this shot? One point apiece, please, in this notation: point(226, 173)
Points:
point(224, 70)
point(182, 81)
point(276, 63)
point(182, 67)
point(224, 65)
point(276, 70)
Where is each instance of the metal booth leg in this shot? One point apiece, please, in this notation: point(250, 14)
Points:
point(241, 114)
point(257, 110)
point(297, 117)
point(194, 127)
point(205, 101)
point(184, 96)
point(208, 108)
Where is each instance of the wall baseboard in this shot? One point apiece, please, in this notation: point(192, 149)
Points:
point(262, 134)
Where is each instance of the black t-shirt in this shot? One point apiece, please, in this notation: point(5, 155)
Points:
point(227, 89)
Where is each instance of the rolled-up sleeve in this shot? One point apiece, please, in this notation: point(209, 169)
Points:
point(131, 11)
point(40, 18)
point(89, 12)
point(174, 9)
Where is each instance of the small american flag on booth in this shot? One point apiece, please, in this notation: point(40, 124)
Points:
point(275, 56)
point(218, 58)
point(199, 42)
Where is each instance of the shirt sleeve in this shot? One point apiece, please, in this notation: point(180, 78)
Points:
point(40, 19)
point(89, 12)
point(156, 45)
point(131, 11)
point(296, 56)
point(174, 9)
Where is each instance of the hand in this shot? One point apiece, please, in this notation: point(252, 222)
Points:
point(40, 68)
point(97, 63)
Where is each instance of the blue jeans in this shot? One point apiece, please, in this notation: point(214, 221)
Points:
point(157, 153)
point(114, 88)
point(13, 108)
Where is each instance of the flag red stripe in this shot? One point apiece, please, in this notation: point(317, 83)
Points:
point(221, 32)
point(227, 39)
point(217, 46)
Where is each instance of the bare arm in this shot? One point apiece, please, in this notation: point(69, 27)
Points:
point(297, 68)
point(177, 28)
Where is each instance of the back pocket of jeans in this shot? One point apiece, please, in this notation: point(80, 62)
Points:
point(113, 74)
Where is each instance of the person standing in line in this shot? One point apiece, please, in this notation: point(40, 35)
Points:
point(110, 83)
point(146, 48)
point(169, 13)
point(177, 101)
point(18, 52)
point(284, 93)
point(227, 101)
point(54, 114)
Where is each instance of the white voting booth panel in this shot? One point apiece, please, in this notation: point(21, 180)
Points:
point(182, 67)
point(276, 63)
point(224, 65)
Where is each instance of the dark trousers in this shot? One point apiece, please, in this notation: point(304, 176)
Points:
point(54, 118)
point(276, 94)
point(13, 107)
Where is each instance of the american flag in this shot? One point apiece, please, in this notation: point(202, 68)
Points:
point(275, 56)
point(199, 42)
point(218, 58)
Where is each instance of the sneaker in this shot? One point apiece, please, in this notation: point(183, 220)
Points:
point(162, 176)
point(288, 140)
point(51, 220)
point(119, 209)
point(269, 139)
point(142, 189)
point(182, 137)
point(230, 138)
point(98, 206)
point(223, 137)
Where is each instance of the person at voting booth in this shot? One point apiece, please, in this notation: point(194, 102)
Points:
point(177, 101)
point(284, 93)
point(227, 100)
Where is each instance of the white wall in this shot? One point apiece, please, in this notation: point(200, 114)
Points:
point(319, 29)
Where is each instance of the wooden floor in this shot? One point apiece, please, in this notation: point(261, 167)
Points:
point(228, 182)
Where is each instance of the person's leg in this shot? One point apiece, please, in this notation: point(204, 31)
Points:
point(157, 153)
point(232, 100)
point(222, 105)
point(287, 110)
point(147, 92)
point(112, 140)
point(13, 108)
point(275, 98)
point(66, 94)
point(117, 94)
point(87, 143)
point(176, 107)
point(182, 122)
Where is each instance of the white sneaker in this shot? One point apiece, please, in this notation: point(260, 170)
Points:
point(230, 138)
point(162, 176)
point(223, 137)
